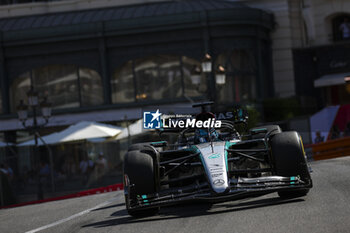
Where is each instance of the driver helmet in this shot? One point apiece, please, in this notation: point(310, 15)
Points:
point(204, 135)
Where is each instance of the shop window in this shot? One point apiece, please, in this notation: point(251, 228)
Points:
point(193, 86)
point(341, 27)
point(18, 90)
point(158, 78)
point(122, 84)
point(65, 86)
point(59, 84)
point(90, 87)
point(240, 84)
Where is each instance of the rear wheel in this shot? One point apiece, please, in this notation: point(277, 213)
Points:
point(138, 167)
point(274, 129)
point(289, 160)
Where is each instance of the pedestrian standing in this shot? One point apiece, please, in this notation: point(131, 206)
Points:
point(101, 165)
point(319, 138)
point(86, 167)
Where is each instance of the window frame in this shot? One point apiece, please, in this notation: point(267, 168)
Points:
point(238, 72)
point(77, 81)
point(336, 21)
point(183, 97)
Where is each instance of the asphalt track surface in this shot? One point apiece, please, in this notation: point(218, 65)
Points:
point(325, 209)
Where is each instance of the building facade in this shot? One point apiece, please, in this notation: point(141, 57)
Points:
point(102, 59)
point(323, 65)
point(310, 47)
point(111, 62)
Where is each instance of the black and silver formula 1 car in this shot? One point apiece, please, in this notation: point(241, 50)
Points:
point(216, 168)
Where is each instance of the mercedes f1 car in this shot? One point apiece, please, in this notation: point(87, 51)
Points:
point(216, 166)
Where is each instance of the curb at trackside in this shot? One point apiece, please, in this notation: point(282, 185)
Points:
point(106, 189)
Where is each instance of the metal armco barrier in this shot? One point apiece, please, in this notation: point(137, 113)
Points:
point(331, 149)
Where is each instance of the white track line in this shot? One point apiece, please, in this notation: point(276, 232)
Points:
point(74, 216)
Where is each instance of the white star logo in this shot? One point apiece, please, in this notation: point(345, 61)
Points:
point(156, 115)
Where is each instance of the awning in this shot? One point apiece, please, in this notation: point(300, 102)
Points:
point(332, 79)
point(133, 130)
point(126, 13)
point(81, 131)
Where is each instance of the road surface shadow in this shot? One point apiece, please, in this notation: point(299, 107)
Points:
point(191, 210)
point(110, 206)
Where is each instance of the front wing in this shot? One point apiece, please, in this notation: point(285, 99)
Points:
point(239, 188)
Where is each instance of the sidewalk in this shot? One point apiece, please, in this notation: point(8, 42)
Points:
point(68, 187)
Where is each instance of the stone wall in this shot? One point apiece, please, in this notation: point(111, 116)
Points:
point(323, 11)
point(287, 34)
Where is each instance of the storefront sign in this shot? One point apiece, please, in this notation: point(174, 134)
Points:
point(334, 64)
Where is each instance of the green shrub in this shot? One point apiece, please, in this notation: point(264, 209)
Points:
point(254, 116)
point(278, 109)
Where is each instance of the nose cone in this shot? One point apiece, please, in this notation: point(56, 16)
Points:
point(220, 185)
point(214, 163)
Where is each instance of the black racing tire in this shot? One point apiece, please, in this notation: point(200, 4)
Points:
point(275, 129)
point(289, 160)
point(139, 169)
point(138, 146)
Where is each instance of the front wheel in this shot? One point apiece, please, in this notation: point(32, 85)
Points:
point(139, 170)
point(289, 160)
